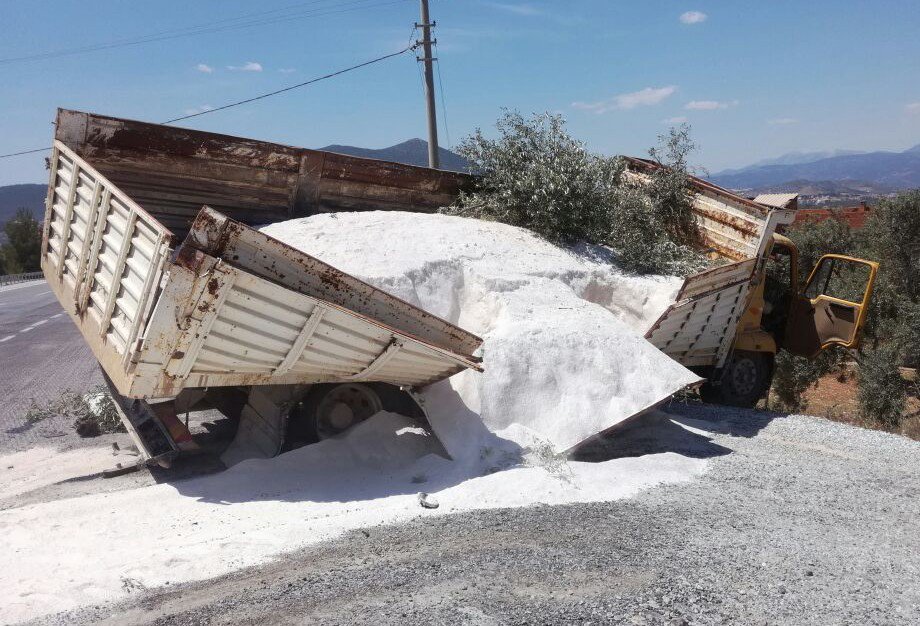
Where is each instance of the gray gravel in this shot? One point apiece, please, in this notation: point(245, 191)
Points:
point(798, 521)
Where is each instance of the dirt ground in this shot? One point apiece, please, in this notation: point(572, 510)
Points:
point(834, 397)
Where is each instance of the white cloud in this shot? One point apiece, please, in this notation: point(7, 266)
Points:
point(693, 17)
point(287, 70)
point(249, 66)
point(517, 8)
point(199, 109)
point(680, 119)
point(708, 105)
point(204, 67)
point(913, 108)
point(782, 121)
point(644, 97)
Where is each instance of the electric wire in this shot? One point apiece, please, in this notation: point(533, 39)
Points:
point(443, 102)
point(204, 29)
point(260, 96)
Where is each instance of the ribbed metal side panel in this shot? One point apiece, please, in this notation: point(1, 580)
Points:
point(101, 253)
point(258, 323)
point(692, 331)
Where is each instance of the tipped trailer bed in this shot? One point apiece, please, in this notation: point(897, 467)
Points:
point(148, 245)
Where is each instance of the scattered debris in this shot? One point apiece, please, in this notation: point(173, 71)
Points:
point(427, 501)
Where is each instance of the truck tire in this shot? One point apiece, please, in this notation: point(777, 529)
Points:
point(329, 409)
point(745, 379)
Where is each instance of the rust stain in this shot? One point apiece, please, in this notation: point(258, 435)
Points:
point(213, 287)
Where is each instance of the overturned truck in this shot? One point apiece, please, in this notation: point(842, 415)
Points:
point(149, 246)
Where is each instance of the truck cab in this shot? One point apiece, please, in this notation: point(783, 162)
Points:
point(829, 309)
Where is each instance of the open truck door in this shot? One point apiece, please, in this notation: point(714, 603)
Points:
point(831, 309)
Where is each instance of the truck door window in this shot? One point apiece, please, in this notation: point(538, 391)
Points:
point(840, 279)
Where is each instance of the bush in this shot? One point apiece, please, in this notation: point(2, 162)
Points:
point(794, 375)
point(882, 391)
point(538, 177)
point(22, 253)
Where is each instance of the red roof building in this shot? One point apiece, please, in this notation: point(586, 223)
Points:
point(854, 216)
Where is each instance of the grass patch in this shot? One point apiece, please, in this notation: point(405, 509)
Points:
point(93, 412)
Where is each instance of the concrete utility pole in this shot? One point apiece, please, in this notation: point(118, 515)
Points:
point(426, 25)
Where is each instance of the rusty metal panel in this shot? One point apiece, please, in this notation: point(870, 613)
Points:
point(692, 330)
point(699, 328)
point(171, 172)
point(731, 226)
point(259, 254)
point(217, 325)
point(714, 278)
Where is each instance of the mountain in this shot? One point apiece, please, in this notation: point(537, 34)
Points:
point(888, 170)
point(412, 152)
point(14, 197)
point(794, 158)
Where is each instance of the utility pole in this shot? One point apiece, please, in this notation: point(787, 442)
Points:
point(426, 25)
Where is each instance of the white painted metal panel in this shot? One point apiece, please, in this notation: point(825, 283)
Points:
point(217, 325)
point(699, 328)
point(102, 255)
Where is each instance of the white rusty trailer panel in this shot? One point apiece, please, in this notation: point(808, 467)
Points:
point(158, 325)
point(216, 325)
point(102, 255)
point(699, 328)
point(255, 252)
point(730, 226)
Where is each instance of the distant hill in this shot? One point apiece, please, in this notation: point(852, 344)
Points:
point(412, 152)
point(884, 171)
point(14, 197)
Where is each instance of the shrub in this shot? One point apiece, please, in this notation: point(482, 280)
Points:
point(882, 391)
point(536, 176)
point(794, 375)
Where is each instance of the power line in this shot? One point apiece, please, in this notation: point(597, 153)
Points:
point(209, 28)
point(12, 154)
point(259, 97)
point(303, 84)
point(443, 103)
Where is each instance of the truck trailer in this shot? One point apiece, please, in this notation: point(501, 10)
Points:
point(149, 246)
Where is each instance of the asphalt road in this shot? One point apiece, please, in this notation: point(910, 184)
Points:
point(41, 355)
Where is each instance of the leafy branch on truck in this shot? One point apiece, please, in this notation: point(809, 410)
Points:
point(537, 176)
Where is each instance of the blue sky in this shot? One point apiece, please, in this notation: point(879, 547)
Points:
point(754, 79)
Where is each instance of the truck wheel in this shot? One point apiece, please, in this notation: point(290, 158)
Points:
point(745, 380)
point(340, 407)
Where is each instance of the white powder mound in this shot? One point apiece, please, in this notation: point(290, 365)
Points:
point(97, 548)
point(564, 358)
point(564, 353)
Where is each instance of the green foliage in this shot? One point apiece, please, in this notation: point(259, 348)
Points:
point(882, 390)
point(23, 251)
point(794, 375)
point(536, 176)
point(814, 240)
point(891, 236)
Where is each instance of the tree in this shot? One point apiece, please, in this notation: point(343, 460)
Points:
point(535, 175)
point(22, 253)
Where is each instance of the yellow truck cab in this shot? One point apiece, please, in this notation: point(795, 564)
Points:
point(727, 323)
point(828, 310)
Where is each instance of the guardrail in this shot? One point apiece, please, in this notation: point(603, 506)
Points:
point(9, 279)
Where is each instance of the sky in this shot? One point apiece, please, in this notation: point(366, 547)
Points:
point(753, 79)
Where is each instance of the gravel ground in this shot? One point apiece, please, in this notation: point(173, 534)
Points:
point(798, 521)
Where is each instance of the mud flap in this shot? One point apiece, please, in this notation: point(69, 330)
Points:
point(151, 437)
